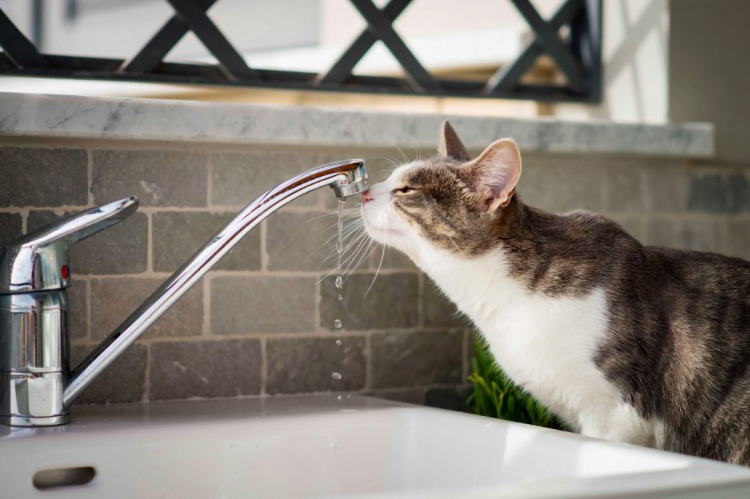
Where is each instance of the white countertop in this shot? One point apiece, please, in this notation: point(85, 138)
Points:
point(318, 445)
point(34, 115)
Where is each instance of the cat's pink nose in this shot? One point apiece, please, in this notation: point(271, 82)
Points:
point(367, 197)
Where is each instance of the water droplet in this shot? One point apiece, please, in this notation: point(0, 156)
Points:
point(338, 342)
point(339, 282)
point(339, 247)
point(348, 395)
point(339, 397)
point(336, 376)
point(341, 297)
point(337, 324)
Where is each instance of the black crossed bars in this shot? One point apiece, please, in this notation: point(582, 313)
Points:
point(577, 55)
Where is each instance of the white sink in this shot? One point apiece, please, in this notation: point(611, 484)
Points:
point(319, 446)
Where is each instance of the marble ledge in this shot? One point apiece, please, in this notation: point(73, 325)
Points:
point(34, 115)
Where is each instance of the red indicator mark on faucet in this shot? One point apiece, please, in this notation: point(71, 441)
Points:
point(65, 271)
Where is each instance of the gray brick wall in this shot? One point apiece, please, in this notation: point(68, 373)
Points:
point(261, 322)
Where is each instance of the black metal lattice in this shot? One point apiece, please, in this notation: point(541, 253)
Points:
point(577, 55)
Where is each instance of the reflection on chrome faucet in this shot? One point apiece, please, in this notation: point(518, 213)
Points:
point(36, 384)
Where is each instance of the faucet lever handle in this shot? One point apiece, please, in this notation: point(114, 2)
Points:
point(40, 260)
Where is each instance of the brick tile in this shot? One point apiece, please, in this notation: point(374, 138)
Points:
point(562, 184)
point(158, 178)
point(39, 219)
point(114, 299)
point(412, 396)
point(391, 303)
point(739, 239)
point(708, 193)
point(10, 227)
point(439, 311)
point(452, 399)
point(640, 186)
point(625, 185)
point(123, 381)
point(301, 241)
point(714, 192)
point(700, 235)
point(180, 370)
point(120, 249)
point(239, 177)
point(262, 304)
point(667, 187)
point(303, 365)
point(409, 359)
point(178, 235)
point(43, 177)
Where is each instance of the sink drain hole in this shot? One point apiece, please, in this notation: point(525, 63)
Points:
point(63, 477)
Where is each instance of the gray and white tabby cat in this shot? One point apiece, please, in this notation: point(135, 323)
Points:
point(623, 341)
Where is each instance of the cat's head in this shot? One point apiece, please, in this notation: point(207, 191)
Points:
point(449, 201)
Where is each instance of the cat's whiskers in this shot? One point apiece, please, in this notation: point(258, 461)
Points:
point(384, 173)
point(392, 161)
point(363, 249)
point(363, 257)
point(348, 232)
point(350, 225)
point(356, 241)
point(349, 213)
point(360, 240)
point(358, 246)
point(363, 243)
point(354, 238)
point(382, 257)
point(404, 158)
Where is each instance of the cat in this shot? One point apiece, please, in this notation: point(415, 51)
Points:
point(622, 341)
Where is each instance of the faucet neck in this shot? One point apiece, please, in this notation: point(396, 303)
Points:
point(346, 177)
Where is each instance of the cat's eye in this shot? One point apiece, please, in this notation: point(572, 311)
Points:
point(403, 190)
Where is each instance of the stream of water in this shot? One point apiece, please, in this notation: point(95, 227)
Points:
point(339, 278)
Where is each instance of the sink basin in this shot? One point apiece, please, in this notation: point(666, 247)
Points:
point(319, 446)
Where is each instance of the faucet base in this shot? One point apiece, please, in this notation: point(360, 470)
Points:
point(60, 419)
point(32, 399)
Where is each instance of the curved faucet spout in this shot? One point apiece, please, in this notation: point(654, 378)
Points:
point(347, 178)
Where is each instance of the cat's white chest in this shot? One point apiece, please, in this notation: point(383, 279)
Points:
point(545, 344)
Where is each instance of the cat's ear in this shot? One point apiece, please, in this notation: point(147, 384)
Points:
point(451, 145)
point(494, 174)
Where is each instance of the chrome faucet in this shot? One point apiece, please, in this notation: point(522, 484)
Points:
point(37, 386)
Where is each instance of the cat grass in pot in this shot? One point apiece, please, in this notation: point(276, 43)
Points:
point(622, 341)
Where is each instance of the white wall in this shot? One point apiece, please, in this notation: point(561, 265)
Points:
point(636, 64)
